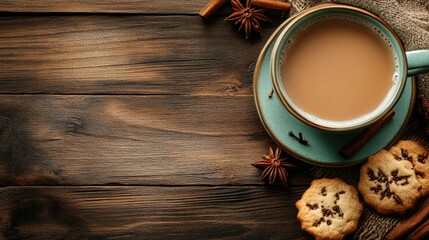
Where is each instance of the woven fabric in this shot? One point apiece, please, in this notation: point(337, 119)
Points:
point(410, 18)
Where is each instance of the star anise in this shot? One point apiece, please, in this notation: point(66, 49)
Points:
point(248, 17)
point(274, 167)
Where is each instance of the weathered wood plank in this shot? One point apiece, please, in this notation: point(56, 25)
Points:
point(197, 212)
point(73, 139)
point(93, 54)
point(105, 6)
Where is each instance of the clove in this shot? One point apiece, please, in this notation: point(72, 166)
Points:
point(299, 138)
point(270, 94)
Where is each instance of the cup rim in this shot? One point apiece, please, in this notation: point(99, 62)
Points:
point(276, 84)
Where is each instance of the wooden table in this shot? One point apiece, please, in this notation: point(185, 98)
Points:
point(133, 120)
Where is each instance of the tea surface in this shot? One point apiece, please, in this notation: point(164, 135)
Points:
point(338, 70)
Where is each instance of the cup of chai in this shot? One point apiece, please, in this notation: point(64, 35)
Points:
point(341, 68)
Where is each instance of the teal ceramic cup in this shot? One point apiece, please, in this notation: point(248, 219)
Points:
point(407, 63)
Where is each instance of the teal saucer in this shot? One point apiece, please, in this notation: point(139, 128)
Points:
point(323, 146)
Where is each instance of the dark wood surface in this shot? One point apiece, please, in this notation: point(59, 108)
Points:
point(133, 120)
point(105, 6)
point(149, 212)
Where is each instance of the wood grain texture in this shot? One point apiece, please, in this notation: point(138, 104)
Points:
point(105, 6)
point(157, 100)
point(149, 213)
point(99, 54)
point(175, 140)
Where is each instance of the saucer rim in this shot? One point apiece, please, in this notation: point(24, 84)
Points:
point(294, 153)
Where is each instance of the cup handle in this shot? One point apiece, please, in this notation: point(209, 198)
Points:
point(418, 62)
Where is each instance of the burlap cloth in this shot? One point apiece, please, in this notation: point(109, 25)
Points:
point(410, 18)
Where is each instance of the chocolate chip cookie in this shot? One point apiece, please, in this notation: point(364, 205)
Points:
point(417, 154)
point(329, 209)
point(389, 185)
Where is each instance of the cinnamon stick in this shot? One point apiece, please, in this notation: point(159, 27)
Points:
point(211, 8)
point(405, 228)
point(421, 232)
point(357, 143)
point(272, 4)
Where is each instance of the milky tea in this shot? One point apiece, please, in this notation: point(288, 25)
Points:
point(338, 69)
